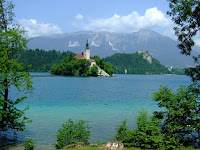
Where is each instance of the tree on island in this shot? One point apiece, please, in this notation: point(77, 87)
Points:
point(71, 66)
point(12, 73)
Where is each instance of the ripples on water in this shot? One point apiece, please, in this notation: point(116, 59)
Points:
point(104, 101)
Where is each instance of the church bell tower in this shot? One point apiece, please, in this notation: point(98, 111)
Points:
point(87, 51)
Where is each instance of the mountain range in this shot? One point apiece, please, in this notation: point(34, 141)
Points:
point(108, 43)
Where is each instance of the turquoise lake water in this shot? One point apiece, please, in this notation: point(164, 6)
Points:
point(103, 101)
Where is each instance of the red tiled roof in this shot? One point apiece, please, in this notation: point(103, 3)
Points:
point(79, 56)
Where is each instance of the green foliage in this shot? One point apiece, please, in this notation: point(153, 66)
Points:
point(122, 132)
point(99, 61)
point(127, 137)
point(185, 15)
point(145, 136)
point(108, 68)
point(40, 60)
point(73, 132)
point(29, 144)
point(12, 73)
point(94, 71)
point(135, 64)
point(71, 66)
point(181, 115)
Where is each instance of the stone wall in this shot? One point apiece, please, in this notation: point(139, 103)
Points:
point(101, 72)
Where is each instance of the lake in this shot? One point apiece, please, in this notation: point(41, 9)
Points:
point(103, 101)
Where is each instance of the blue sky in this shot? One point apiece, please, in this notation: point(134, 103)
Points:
point(47, 17)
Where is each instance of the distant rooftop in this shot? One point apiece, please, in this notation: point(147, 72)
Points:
point(79, 56)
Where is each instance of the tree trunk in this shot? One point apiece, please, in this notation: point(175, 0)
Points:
point(5, 83)
point(5, 105)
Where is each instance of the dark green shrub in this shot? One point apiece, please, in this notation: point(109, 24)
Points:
point(145, 136)
point(122, 132)
point(73, 132)
point(180, 115)
point(94, 71)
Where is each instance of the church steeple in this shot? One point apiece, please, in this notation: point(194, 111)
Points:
point(87, 51)
point(87, 45)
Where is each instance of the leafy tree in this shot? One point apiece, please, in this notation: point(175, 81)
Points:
point(99, 61)
point(29, 144)
point(146, 136)
point(71, 66)
point(83, 67)
point(147, 133)
point(186, 14)
point(122, 132)
point(181, 115)
point(73, 132)
point(94, 71)
point(11, 72)
point(108, 68)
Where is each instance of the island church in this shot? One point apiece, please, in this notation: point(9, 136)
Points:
point(86, 55)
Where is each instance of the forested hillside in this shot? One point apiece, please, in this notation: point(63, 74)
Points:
point(40, 60)
point(135, 64)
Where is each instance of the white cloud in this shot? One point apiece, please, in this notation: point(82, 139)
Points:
point(35, 28)
point(170, 33)
point(79, 17)
point(152, 19)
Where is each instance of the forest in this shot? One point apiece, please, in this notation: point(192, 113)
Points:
point(135, 64)
point(40, 60)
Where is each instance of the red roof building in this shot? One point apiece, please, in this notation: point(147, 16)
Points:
point(80, 56)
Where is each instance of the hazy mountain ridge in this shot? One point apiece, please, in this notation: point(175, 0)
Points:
point(107, 43)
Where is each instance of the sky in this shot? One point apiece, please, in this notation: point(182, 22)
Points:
point(48, 17)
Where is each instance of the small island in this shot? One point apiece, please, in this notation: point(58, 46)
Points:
point(82, 65)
